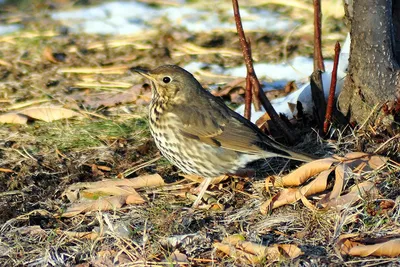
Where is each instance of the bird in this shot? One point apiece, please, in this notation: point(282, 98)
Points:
point(199, 134)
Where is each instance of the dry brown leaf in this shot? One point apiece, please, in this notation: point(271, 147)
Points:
point(292, 251)
point(377, 162)
point(6, 170)
point(34, 230)
point(49, 113)
point(355, 155)
point(137, 182)
point(238, 83)
point(341, 176)
point(48, 55)
point(233, 239)
point(178, 258)
point(102, 204)
point(107, 195)
point(237, 254)
point(13, 118)
point(134, 199)
point(357, 192)
point(390, 248)
point(93, 193)
point(253, 253)
point(262, 120)
point(306, 171)
point(137, 93)
point(291, 195)
point(290, 87)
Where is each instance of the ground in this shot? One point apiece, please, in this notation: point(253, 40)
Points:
point(40, 160)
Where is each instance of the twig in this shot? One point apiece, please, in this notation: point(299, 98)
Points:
point(332, 89)
point(317, 89)
point(248, 97)
point(255, 90)
point(318, 59)
point(253, 77)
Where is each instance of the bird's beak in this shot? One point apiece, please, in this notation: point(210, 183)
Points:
point(143, 72)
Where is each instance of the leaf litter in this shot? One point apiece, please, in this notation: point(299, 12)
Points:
point(91, 81)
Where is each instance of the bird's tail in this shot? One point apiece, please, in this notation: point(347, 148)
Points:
point(274, 149)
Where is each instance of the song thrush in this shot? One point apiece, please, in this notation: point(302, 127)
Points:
point(198, 133)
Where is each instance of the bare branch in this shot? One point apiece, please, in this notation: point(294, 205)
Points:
point(332, 89)
point(253, 77)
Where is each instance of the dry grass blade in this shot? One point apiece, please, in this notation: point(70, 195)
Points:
point(199, 179)
point(103, 84)
point(105, 71)
point(79, 235)
point(191, 49)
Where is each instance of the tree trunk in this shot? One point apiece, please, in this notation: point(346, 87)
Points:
point(373, 79)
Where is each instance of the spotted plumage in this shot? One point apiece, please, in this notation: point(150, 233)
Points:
point(198, 133)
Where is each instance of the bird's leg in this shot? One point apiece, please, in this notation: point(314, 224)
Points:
point(202, 189)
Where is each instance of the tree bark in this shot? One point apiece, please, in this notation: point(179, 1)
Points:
point(373, 78)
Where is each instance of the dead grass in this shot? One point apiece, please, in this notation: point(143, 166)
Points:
point(47, 157)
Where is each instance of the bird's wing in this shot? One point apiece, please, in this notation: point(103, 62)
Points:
point(216, 126)
point(209, 120)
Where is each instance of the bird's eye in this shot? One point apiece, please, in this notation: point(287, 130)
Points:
point(166, 79)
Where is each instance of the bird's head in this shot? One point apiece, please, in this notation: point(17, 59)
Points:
point(171, 82)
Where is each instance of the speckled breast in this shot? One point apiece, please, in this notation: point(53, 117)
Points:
point(190, 155)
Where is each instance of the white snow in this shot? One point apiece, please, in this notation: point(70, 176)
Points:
point(133, 18)
point(4, 29)
point(303, 94)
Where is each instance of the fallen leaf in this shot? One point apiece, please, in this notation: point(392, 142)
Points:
point(304, 172)
point(390, 248)
point(341, 176)
point(138, 93)
point(6, 170)
point(290, 87)
point(291, 195)
point(377, 162)
point(262, 120)
point(48, 55)
point(49, 113)
point(178, 258)
point(137, 182)
point(357, 192)
point(103, 204)
point(13, 118)
point(249, 252)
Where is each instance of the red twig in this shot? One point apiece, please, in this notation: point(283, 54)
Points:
point(332, 89)
point(253, 77)
point(256, 90)
point(248, 97)
point(318, 59)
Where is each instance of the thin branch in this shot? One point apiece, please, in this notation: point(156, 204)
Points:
point(256, 90)
point(248, 97)
point(318, 58)
point(317, 89)
point(332, 89)
point(253, 77)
